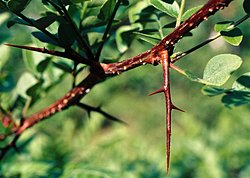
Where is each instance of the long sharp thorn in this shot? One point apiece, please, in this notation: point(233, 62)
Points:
point(177, 108)
point(157, 91)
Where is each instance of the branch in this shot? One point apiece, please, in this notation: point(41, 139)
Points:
point(152, 56)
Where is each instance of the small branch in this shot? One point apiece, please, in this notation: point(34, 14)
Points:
point(107, 30)
point(98, 110)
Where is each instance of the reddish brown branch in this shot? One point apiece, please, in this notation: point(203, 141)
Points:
point(151, 57)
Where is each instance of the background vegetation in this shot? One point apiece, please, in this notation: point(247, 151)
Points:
point(208, 140)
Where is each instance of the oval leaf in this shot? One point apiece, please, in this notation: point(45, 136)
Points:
point(170, 9)
point(233, 37)
point(17, 6)
point(219, 69)
point(242, 83)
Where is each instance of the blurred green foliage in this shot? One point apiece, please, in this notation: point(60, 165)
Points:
point(208, 140)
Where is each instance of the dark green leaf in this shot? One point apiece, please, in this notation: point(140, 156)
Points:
point(107, 10)
point(44, 38)
point(236, 98)
point(17, 6)
point(63, 66)
point(66, 35)
point(6, 83)
point(213, 91)
point(42, 66)
point(44, 22)
point(242, 83)
point(246, 6)
point(220, 68)
point(17, 21)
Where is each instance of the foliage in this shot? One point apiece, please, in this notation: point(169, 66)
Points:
point(109, 31)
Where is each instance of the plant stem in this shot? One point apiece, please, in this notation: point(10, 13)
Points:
point(178, 20)
point(231, 27)
point(107, 30)
point(79, 38)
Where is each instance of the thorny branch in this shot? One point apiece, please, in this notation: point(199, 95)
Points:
point(156, 55)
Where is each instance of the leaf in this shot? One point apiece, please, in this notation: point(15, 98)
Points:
point(170, 9)
point(220, 68)
point(24, 83)
point(44, 22)
point(106, 10)
point(6, 83)
point(190, 12)
point(63, 66)
point(66, 35)
point(42, 66)
point(152, 39)
point(222, 26)
point(233, 37)
point(17, 6)
point(242, 83)
point(246, 6)
point(122, 36)
point(237, 98)
point(44, 38)
point(213, 91)
point(17, 21)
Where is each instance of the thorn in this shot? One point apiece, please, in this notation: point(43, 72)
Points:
point(176, 108)
point(157, 91)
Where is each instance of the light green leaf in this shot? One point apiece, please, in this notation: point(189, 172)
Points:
point(222, 26)
point(233, 37)
point(26, 81)
point(242, 83)
point(190, 12)
point(220, 68)
point(170, 9)
point(107, 10)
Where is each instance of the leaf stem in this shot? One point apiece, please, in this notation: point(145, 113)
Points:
point(79, 38)
point(107, 30)
point(178, 20)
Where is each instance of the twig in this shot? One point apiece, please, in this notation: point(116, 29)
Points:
point(99, 110)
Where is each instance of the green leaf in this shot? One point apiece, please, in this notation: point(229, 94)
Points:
point(44, 22)
point(233, 37)
point(170, 9)
point(66, 35)
point(17, 6)
point(246, 6)
point(122, 36)
point(242, 83)
point(107, 10)
point(63, 66)
point(237, 98)
point(213, 91)
point(44, 38)
point(17, 21)
point(190, 12)
point(222, 26)
point(152, 39)
point(219, 69)
point(24, 83)
point(42, 66)
point(6, 83)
